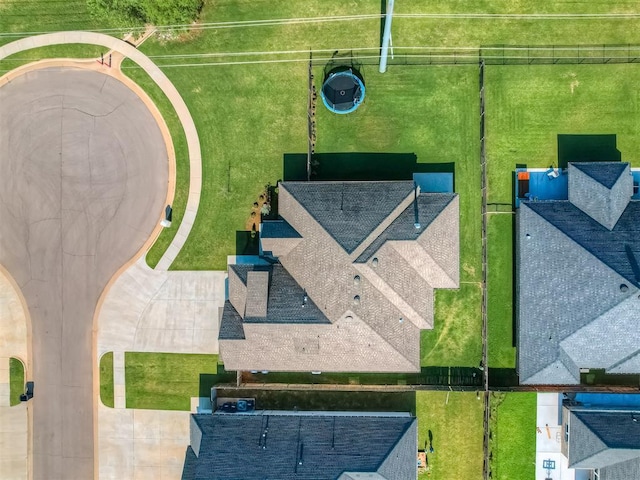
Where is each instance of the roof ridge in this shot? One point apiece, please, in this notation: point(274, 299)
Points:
point(382, 226)
point(427, 254)
point(628, 297)
point(588, 253)
point(384, 288)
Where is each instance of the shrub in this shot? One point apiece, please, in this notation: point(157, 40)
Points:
point(140, 12)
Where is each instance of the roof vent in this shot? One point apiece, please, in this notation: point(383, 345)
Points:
point(348, 317)
point(356, 300)
point(528, 235)
point(624, 288)
point(374, 262)
point(356, 280)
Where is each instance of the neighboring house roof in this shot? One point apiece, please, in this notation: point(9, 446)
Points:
point(301, 446)
point(578, 283)
point(358, 265)
point(605, 439)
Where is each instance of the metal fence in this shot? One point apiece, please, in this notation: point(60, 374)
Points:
point(503, 55)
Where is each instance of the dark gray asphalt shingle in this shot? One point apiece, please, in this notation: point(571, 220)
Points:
point(616, 429)
point(349, 211)
point(429, 206)
point(233, 446)
point(619, 248)
point(606, 173)
point(230, 324)
point(285, 297)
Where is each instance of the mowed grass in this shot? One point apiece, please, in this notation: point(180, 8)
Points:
point(500, 290)
point(166, 381)
point(456, 339)
point(513, 429)
point(106, 380)
point(16, 381)
point(455, 422)
point(528, 106)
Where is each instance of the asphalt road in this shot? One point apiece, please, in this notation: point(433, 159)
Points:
point(83, 178)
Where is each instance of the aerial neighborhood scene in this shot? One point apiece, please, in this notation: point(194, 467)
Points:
point(319, 240)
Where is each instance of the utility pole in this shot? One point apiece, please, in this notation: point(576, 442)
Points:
point(386, 37)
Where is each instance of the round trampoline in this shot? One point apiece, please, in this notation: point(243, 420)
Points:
point(342, 91)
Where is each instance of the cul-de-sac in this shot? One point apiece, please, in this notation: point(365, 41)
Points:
point(319, 240)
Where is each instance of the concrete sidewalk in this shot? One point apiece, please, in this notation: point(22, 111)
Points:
point(14, 434)
point(148, 310)
point(549, 439)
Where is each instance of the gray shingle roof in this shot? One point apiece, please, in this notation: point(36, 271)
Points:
point(600, 438)
point(285, 297)
point(602, 203)
point(606, 173)
point(349, 211)
point(429, 206)
point(578, 274)
point(619, 248)
point(230, 324)
point(299, 446)
point(373, 313)
point(621, 471)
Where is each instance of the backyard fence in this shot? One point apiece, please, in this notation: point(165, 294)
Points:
point(503, 55)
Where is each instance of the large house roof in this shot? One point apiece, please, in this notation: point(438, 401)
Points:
point(607, 439)
point(349, 211)
point(351, 295)
point(301, 446)
point(577, 283)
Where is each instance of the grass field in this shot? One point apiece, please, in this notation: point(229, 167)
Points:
point(456, 339)
point(513, 427)
point(16, 381)
point(527, 107)
point(167, 381)
point(500, 290)
point(106, 379)
point(455, 422)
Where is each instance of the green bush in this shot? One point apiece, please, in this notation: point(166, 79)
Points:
point(140, 12)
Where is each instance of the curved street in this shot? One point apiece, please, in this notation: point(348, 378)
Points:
point(85, 179)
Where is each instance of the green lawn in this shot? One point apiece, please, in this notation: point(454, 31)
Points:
point(44, 16)
point(106, 379)
point(182, 163)
point(456, 339)
point(455, 421)
point(16, 381)
point(500, 290)
point(167, 381)
point(513, 428)
point(527, 107)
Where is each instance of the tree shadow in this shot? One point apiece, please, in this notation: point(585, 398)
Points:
point(587, 148)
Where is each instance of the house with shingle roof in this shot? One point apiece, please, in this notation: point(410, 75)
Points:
point(578, 278)
point(602, 441)
point(346, 280)
point(287, 445)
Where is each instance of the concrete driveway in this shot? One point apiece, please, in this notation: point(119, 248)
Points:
point(84, 181)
